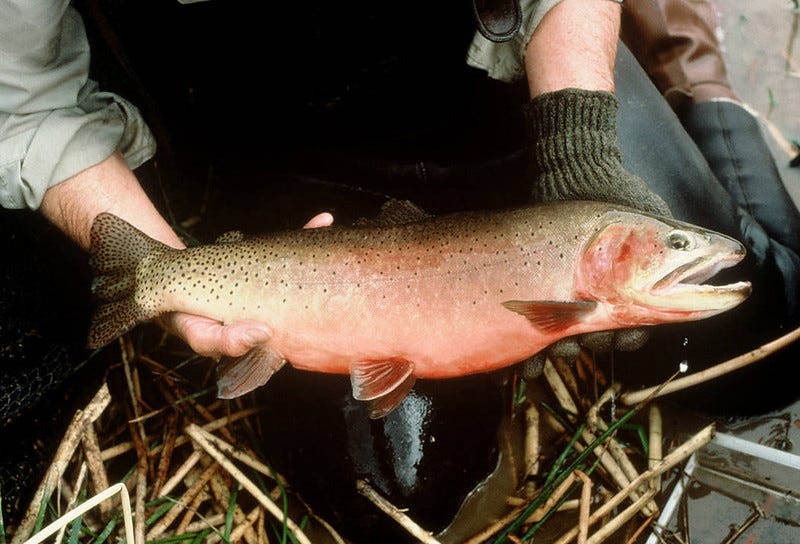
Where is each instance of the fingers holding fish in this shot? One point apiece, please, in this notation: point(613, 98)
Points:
point(323, 219)
point(212, 338)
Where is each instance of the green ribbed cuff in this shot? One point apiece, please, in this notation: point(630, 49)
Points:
point(575, 154)
point(573, 132)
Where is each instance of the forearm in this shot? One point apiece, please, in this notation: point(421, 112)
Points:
point(109, 186)
point(575, 46)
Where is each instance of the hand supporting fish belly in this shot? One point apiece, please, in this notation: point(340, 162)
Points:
point(429, 298)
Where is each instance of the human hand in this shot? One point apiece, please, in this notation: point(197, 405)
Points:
point(576, 157)
point(575, 153)
point(600, 342)
point(211, 338)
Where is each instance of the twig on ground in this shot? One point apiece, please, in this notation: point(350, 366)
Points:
point(182, 471)
point(237, 454)
point(586, 503)
point(655, 452)
point(757, 514)
point(223, 497)
point(568, 378)
point(551, 501)
point(73, 498)
point(635, 397)
point(138, 435)
point(183, 502)
point(85, 507)
point(97, 471)
point(607, 529)
point(194, 506)
point(202, 438)
point(61, 459)
point(532, 447)
point(495, 527)
point(675, 457)
point(611, 457)
point(634, 538)
point(395, 513)
point(245, 527)
point(593, 413)
point(125, 447)
point(170, 436)
point(208, 522)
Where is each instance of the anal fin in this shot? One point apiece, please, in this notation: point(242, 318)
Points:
point(240, 375)
point(383, 384)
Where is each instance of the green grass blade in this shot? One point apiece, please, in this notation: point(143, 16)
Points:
point(40, 515)
point(160, 511)
point(590, 449)
point(229, 513)
point(2, 525)
point(75, 530)
point(558, 476)
point(201, 537)
point(553, 480)
point(106, 532)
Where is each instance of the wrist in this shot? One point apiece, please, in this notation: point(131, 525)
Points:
point(109, 186)
point(575, 45)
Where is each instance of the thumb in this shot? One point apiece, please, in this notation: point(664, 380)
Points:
point(211, 338)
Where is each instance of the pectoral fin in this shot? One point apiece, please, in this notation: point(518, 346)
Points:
point(240, 375)
point(552, 315)
point(384, 384)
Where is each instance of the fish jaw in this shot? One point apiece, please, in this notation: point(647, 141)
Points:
point(683, 290)
point(651, 270)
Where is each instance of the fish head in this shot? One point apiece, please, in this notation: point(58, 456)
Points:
point(651, 270)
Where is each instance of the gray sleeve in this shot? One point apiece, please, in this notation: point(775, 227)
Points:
point(54, 121)
point(506, 61)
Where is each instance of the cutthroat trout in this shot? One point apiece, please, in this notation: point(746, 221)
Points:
point(429, 298)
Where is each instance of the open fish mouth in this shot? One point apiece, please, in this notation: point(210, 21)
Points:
point(684, 288)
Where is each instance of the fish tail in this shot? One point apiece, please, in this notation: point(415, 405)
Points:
point(117, 248)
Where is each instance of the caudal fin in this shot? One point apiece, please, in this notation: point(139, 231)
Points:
point(116, 249)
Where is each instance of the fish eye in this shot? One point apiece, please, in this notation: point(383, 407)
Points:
point(679, 240)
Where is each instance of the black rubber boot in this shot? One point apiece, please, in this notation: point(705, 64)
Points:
point(676, 166)
point(733, 144)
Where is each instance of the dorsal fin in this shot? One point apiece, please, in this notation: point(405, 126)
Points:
point(395, 212)
point(230, 237)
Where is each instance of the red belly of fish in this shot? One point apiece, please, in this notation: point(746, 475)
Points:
point(445, 331)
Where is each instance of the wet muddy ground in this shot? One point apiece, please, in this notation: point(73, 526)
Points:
point(762, 53)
